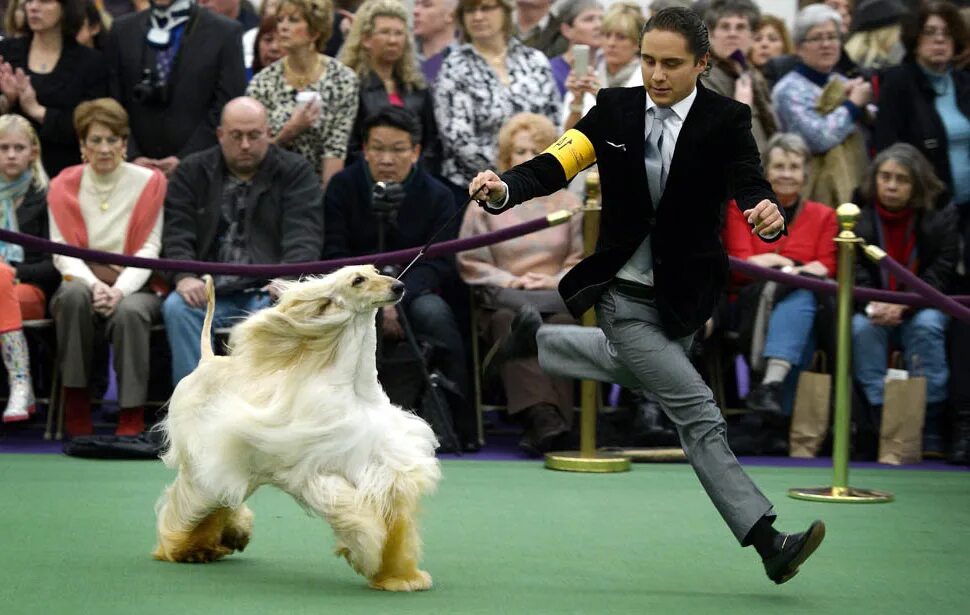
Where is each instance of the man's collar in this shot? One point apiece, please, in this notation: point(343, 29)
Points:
point(681, 108)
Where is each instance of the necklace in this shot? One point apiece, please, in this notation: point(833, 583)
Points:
point(103, 196)
point(301, 80)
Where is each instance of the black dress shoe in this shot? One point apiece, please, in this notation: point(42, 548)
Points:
point(765, 398)
point(518, 343)
point(795, 549)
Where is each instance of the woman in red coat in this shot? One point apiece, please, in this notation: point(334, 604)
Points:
point(808, 249)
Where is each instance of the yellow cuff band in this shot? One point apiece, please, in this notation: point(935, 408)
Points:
point(573, 151)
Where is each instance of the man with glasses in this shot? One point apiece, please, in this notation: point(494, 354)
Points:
point(244, 201)
point(385, 202)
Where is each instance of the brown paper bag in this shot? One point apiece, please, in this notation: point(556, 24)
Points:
point(903, 411)
point(810, 415)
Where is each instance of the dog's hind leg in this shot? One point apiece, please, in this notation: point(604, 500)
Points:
point(190, 524)
point(238, 528)
point(359, 527)
point(399, 563)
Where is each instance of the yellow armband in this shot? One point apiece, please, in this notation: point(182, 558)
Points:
point(573, 151)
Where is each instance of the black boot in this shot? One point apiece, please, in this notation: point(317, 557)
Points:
point(959, 451)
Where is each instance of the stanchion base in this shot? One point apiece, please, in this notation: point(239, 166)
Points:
point(843, 495)
point(574, 461)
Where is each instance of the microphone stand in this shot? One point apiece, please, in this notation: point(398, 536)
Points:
point(442, 415)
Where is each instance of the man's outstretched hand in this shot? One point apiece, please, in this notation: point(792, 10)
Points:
point(766, 218)
point(489, 187)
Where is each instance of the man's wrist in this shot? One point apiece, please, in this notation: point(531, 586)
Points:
point(491, 205)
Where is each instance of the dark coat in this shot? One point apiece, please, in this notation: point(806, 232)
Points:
point(37, 267)
point(208, 72)
point(907, 113)
point(715, 159)
point(352, 226)
point(373, 96)
point(284, 209)
point(80, 74)
point(937, 247)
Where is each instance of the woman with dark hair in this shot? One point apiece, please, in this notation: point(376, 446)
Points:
point(266, 46)
point(926, 103)
point(93, 27)
point(897, 198)
point(46, 74)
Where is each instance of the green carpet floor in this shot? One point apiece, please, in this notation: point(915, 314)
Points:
point(501, 537)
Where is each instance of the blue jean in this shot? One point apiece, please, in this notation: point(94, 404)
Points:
point(183, 324)
point(791, 337)
point(920, 336)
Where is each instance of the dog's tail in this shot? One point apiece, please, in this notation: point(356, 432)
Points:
point(210, 299)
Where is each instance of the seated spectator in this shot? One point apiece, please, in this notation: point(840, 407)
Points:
point(15, 19)
point(378, 49)
point(771, 40)
point(109, 205)
point(45, 74)
point(265, 46)
point(244, 201)
point(434, 34)
point(526, 270)
point(926, 102)
point(582, 24)
point(779, 66)
point(173, 67)
point(26, 277)
point(619, 66)
point(414, 208)
point(788, 342)
point(92, 31)
point(537, 26)
point(487, 79)
point(874, 43)
point(730, 23)
point(267, 9)
point(897, 198)
point(844, 9)
point(824, 107)
point(311, 98)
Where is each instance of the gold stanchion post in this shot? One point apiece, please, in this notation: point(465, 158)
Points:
point(588, 459)
point(840, 491)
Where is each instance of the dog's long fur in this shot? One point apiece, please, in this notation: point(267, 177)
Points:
point(297, 404)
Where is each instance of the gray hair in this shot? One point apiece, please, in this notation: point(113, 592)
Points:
point(788, 142)
point(926, 185)
point(568, 10)
point(720, 9)
point(814, 15)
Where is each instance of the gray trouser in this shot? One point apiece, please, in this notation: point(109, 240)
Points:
point(630, 348)
point(128, 329)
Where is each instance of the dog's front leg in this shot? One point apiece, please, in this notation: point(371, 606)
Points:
point(190, 524)
point(399, 564)
point(359, 528)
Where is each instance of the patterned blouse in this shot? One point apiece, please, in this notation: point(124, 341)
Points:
point(471, 104)
point(338, 93)
point(796, 100)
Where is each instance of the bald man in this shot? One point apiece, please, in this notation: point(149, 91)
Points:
point(244, 201)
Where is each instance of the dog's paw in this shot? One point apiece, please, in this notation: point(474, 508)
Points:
point(234, 540)
point(203, 555)
point(420, 581)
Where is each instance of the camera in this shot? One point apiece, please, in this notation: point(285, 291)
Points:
point(386, 199)
point(151, 90)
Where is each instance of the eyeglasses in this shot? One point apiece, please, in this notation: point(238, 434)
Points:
point(482, 8)
point(932, 32)
point(818, 39)
point(112, 141)
point(886, 177)
point(237, 136)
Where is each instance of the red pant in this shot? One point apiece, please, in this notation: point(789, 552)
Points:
point(18, 302)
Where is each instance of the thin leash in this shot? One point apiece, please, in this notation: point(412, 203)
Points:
point(458, 210)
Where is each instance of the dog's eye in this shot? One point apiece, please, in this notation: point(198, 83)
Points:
point(358, 281)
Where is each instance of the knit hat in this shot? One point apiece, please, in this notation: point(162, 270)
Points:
point(874, 14)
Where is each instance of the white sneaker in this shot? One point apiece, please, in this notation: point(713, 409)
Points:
point(21, 403)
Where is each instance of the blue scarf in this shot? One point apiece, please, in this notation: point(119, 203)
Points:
point(10, 193)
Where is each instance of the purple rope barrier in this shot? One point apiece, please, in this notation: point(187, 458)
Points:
point(940, 301)
point(272, 271)
point(829, 287)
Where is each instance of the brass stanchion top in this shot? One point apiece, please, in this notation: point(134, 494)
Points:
point(848, 216)
point(592, 202)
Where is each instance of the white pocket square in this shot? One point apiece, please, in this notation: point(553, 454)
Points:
point(619, 146)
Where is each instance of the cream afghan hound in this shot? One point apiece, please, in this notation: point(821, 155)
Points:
point(297, 404)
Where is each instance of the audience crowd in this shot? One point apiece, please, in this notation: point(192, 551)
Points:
point(285, 131)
